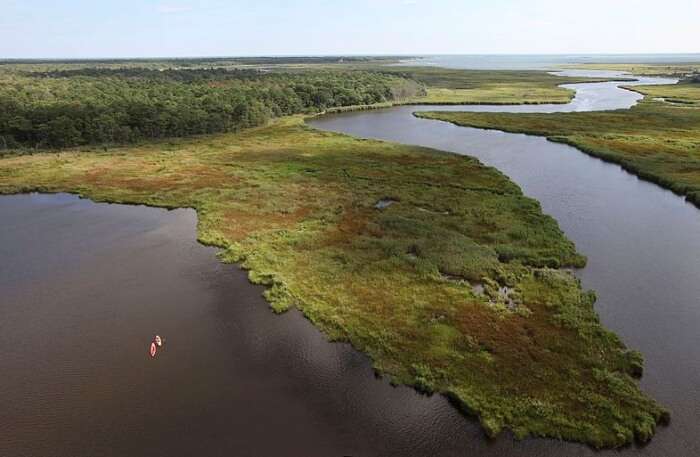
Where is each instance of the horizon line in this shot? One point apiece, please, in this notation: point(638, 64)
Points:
point(405, 55)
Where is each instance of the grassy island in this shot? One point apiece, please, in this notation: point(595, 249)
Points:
point(658, 140)
point(436, 266)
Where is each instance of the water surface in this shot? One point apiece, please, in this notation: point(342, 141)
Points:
point(83, 289)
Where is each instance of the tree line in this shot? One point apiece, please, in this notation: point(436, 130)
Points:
point(63, 108)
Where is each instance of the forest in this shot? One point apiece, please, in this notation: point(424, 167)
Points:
point(73, 106)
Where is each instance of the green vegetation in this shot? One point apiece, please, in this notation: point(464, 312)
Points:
point(457, 87)
point(81, 106)
point(454, 288)
point(658, 140)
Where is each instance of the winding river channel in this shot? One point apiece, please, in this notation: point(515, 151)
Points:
point(85, 285)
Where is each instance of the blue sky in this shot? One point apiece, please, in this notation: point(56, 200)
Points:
point(141, 28)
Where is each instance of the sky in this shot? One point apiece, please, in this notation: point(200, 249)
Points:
point(181, 28)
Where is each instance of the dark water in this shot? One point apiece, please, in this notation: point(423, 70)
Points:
point(643, 245)
point(84, 286)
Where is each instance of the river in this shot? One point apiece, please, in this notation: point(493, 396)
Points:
point(85, 286)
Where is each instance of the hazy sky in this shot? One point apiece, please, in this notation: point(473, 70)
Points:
point(136, 28)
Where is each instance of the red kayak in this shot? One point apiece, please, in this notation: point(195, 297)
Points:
point(153, 349)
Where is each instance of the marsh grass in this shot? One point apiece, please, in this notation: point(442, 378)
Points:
point(296, 207)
